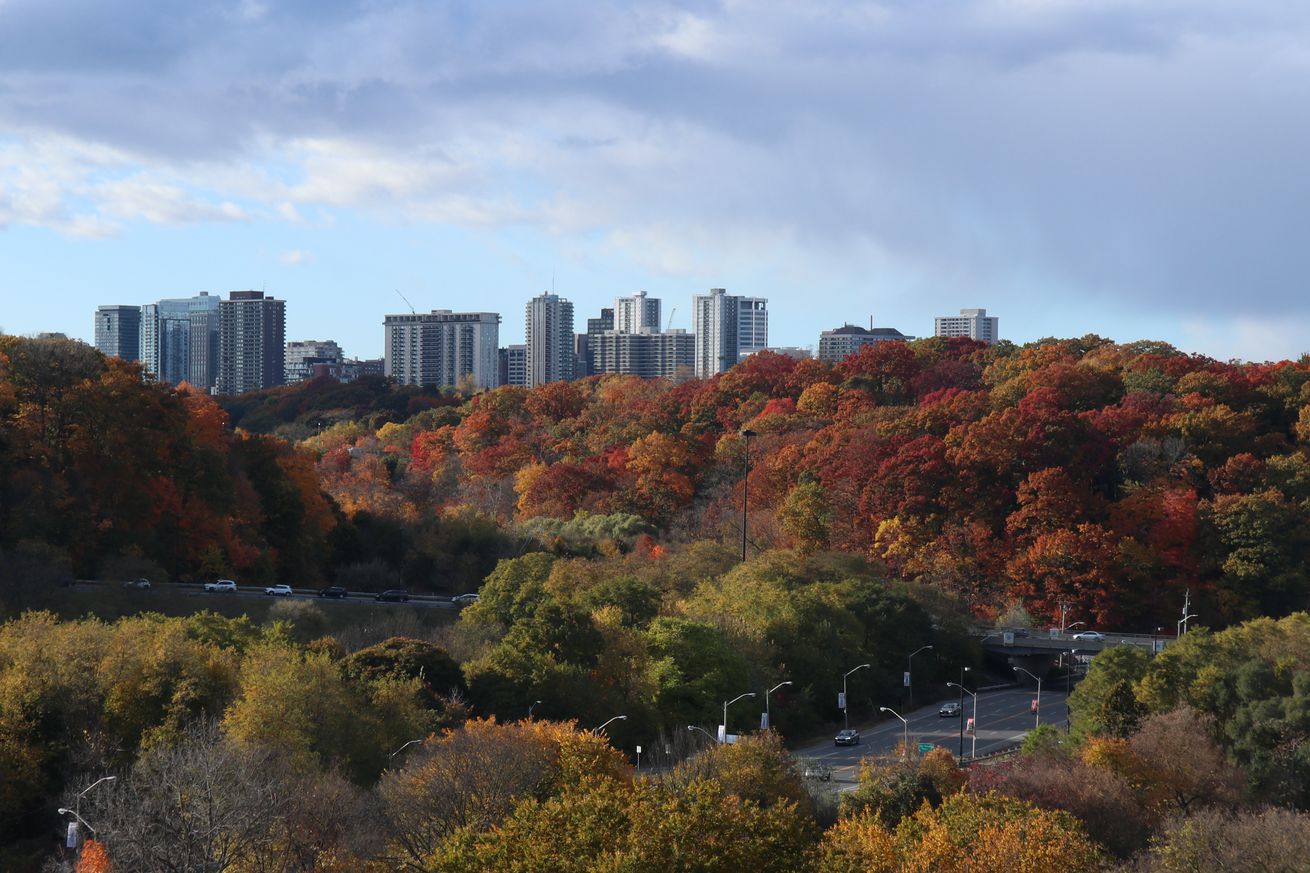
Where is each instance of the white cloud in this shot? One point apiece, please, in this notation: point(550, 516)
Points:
point(295, 257)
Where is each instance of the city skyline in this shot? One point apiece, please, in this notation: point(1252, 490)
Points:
point(1080, 167)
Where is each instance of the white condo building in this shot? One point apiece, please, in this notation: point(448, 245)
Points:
point(637, 314)
point(973, 323)
point(548, 329)
point(727, 329)
point(443, 347)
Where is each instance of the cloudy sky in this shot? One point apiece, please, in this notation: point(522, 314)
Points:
point(1134, 169)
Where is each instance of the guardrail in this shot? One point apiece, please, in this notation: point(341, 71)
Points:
point(199, 588)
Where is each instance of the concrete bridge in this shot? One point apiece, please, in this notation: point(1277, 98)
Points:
point(1037, 651)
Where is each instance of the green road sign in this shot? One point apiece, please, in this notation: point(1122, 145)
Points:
point(925, 748)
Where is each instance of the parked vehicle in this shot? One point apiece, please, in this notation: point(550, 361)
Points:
point(818, 770)
point(848, 737)
point(278, 590)
point(221, 585)
point(1090, 636)
point(333, 591)
point(393, 595)
point(950, 710)
point(465, 598)
point(142, 584)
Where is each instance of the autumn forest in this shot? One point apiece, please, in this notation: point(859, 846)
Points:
point(895, 500)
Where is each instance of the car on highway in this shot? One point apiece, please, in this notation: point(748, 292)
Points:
point(1090, 636)
point(464, 599)
point(333, 591)
point(221, 585)
point(393, 595)
point(848, 737)
point(818, 770)
point(142, 584)
point(278, 590)
point(950, 709)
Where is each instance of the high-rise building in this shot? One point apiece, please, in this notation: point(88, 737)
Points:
point(252, 342)
point(849, 339)
point(653, 355)
point(302, 356)
point(118, 331)
point(752, 325)
point(583, 345)
point(179, 339)
point(637, 314)
point(714, 323)
point(549, 333)
point(973, 323)
point(443, 348)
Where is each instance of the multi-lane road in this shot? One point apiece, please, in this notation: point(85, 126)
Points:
point(197, 589)
point(1004, 718)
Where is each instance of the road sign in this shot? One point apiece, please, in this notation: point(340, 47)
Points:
point(1008, 638)
point(907, 679)
point(841, 699)
point(71, 842)
point(764, 721)
point(925, 748)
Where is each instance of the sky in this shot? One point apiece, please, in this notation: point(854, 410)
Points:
point(1135, 170)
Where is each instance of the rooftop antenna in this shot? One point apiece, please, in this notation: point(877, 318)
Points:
point(407, 303)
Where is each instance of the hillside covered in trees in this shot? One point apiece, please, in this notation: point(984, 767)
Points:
point(1110, 476)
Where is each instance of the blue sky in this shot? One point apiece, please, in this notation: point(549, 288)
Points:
point(1134, 170)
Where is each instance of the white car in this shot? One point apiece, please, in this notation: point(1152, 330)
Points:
point(1090, 636)
point(221, 585)
point(278, 590)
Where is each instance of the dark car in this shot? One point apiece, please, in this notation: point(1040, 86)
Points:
point(332, 591)
point(950, 710)
point(848, 737)
point(138, 584)
point(393, 595)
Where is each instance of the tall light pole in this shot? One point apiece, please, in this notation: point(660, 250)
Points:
point(905, 728)
point(845, 702)
point(768, 714)
point(1073, 624)
point(973, 751)
point(746, 434)
point(76, 811)
point(909, 674)
point(532, 707)
point(1038, 680)
point(74, 814)
point(728, 703)
point(960, 686)
point(596, 730)
point(1182, 623)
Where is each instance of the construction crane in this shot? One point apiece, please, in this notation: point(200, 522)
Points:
point(672, 312)
point(407, 303)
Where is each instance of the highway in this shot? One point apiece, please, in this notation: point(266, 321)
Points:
point(1004, 718)
point(197, 589)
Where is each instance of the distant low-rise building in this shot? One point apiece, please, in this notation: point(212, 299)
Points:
point(303, 355)
point(973, 323)
point(514, 365)
point(850, 338)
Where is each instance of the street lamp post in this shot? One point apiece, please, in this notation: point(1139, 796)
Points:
point(905, 728)
point(768, 714)
point(845, 703)
point(1038, 679)
point(746, 434)
point(393, 755)
point(692, 727)
point(909, 672)
point(532, 707)
point(728, 703)
point(76, 811)
point(74, 814)
point(1182, 623)
point(973, 749)
point(1073, 624)
point(960, 686)
point(596, 730)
